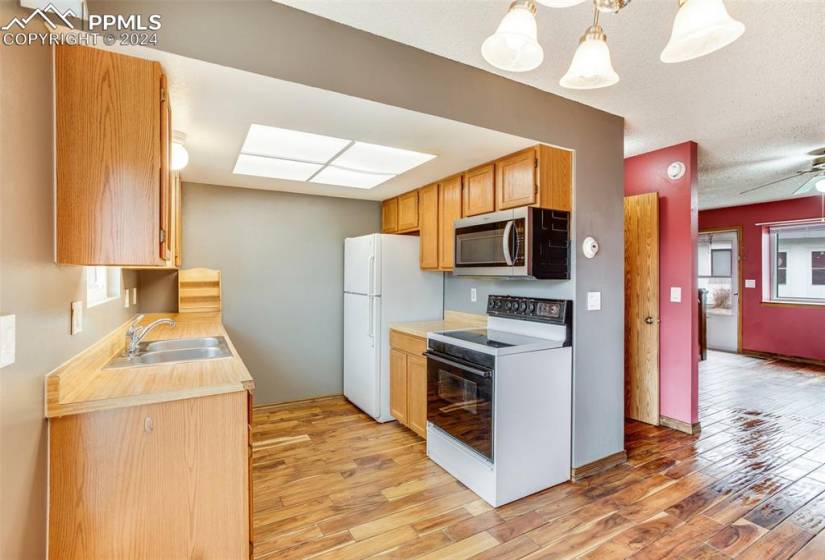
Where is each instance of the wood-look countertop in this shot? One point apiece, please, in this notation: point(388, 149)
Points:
point(453, 320)
point(82, 385)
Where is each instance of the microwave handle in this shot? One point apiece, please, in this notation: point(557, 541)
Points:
point(505, 242)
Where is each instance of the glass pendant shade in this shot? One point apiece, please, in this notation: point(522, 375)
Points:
point(514, 47)
point(591, 67)
point(559, 3)
point(700, 27)
point(180, 156)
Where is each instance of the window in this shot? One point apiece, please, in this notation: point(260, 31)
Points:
point(715, 252)
point(102, 285)
point(797, 263)
point(720, 263)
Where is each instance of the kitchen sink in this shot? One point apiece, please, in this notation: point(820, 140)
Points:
point(173, 351)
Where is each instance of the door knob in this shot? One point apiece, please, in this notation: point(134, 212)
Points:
point(649, 320)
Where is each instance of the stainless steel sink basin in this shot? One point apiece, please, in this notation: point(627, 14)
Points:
point(174, 351)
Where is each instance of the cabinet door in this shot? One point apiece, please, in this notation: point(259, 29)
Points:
point(479, 190)
point(166, 480)
point(108, 157)
point(555, 178)
point(516, 180)
point(449, 210)
point(428, 226)
point(417, 394)
point(165, 172)
point(389, 216)
point(398, 385)
point(408, 211)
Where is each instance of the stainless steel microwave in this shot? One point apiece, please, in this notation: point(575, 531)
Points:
point(525, 242)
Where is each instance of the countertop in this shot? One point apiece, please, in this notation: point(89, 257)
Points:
point(82, 385)
point(453, 320)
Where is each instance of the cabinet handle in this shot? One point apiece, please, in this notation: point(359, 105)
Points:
point(147, 425)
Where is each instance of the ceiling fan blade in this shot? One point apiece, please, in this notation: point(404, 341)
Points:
point(808, 185)
point(797, 174)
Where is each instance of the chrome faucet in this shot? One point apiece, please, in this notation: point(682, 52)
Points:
point(136, 333)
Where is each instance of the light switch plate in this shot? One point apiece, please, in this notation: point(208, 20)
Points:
point(750, 283)
point(473, 295)
point(7, 335)
point(675, 294)
point(77, 317)
point(594, 301)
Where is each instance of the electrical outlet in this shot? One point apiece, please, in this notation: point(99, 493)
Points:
point(473, 295)
point(7, 334)
point(134, 296)
point(77, 317)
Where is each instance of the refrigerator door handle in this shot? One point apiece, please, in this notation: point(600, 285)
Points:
point(370, 326)
point(371, 276)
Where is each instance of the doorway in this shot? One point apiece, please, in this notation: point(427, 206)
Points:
point(720, 276)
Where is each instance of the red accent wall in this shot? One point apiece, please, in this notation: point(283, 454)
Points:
point(678, 224)
point(791, 331)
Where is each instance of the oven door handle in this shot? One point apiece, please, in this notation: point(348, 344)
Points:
point(505, 242)
point(486, 373)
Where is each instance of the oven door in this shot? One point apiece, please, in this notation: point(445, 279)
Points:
point(491, 245)
point(460, 401)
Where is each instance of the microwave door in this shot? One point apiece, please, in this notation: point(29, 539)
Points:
point(484, 249)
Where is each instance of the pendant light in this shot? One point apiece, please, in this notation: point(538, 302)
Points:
point(591, 67)
point(700, 27)
point(560, 3)
point(514, 46)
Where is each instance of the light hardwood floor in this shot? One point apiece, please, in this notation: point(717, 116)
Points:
point(331, 483)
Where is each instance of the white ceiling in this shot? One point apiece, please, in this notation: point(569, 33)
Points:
point(755, 107)
point(214, 105)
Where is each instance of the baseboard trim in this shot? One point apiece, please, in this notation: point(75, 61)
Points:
point(680, 426)
point(783, 357)
point(600, 465)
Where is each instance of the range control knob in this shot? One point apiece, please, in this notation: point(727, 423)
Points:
point(522, 306)
point(531, 308)
point(507, 306)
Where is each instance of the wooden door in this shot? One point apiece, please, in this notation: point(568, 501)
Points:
point(417, 394)
point(166, 480)
point(449, 210)
point(398, 385)
point(516, 180)
point(108, 157)
point(479, 190)
point(641, 235)
point(389, 216)
point(408, 211)
point(428, 227)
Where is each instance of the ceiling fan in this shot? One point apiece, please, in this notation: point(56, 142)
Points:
point(817, 181)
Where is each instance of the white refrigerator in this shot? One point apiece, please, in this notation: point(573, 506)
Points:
point(383, 284)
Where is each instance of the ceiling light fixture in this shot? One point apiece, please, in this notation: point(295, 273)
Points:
point(700, 27)
point(514, 46)
point(281, 153)
point(180, 155)
point(591, 67)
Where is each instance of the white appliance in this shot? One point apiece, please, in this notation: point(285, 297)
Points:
point(499, 400)
point(383, 284)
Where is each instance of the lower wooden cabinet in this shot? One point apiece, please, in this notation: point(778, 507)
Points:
point(408, 381)
point(165, 480)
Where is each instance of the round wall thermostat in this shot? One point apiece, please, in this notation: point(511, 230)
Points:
point(676, 170)
point(590, 247)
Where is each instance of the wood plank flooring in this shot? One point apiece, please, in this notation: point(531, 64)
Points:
point(330, 483)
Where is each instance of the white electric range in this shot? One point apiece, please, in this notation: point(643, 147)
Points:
point(499, 399)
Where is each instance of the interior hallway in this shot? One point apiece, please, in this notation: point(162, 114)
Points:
point(331, 483)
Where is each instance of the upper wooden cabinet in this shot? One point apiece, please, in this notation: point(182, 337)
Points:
point(449, 210)
point(479, 190)
point(428, 226)
point(408, 211)
point(112, 159)
point(516, 182)
point(389, 215)
point(555, 177)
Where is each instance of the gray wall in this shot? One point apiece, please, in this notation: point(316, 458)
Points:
point(37, 291)
point(282, 262)
point(275, 40)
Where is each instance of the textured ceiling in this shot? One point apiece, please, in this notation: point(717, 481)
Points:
point(755, 107)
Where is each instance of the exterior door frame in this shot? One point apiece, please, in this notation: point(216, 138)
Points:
point(740, 281)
